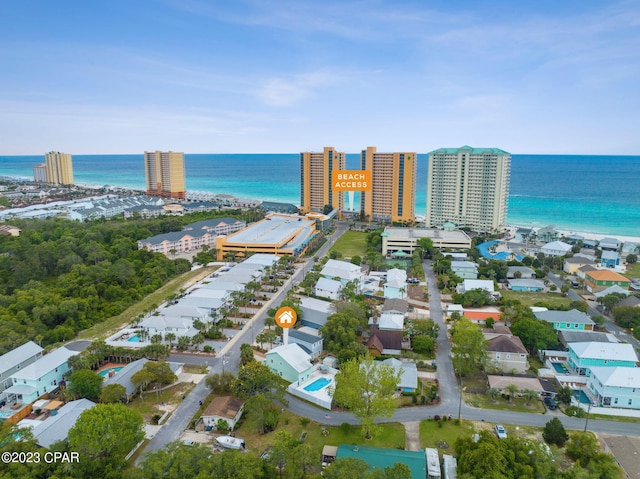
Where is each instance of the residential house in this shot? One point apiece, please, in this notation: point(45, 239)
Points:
point(547, 234)
point(615, 289)
point(464, 269)
point(408, 374)
point(343, 271)
point(123, 377)
point(309, 342)
point(263, 259)
point(507, 353)
point(384, 341)
point(40, 377)
point(381, 458)
point(610, 259)
point(164, 324)
point(528, 285)
point(469, 284)
point(388, 321)
point(566, 337)
point(630, 301)
point(290, 362)
point(573, 239)
point(395, 305)
point(583, 356)
point(520, 272)
point(396, 285)
point(626, 451)
point(603, 278)
point(9, 230)
point(617, 387)
point(572, 320)
point(226, 408)
point(573, 264)
point(328, 288)
point(630, 247)
point(555, 248)
point(15, 360)
point(315, 312)
point(583, 270)
point(610, 244)
point(56, 427)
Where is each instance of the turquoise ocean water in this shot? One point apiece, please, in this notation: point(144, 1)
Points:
point(597, 194)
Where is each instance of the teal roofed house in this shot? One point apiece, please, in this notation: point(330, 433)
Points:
point(378, 457)
point(583, 356)
point(572, 320)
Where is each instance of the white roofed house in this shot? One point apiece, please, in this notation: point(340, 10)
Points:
point(584, 356)
point(617, 387)
point(56, 427)
point(470, 284)
point(396, 285)
point(328, 288)
point(555, 248)
point(465, 269)
point(177, 321)
point(408, 374)
point(315, 312)
point(343, 271)
point(40, 377)
point(290, 362)
point(15, 360)
point(521, 272)
point(609, 244)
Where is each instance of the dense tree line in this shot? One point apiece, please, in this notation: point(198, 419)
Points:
point(60, 276)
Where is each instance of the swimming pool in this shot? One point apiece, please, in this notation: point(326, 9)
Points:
point(560, 368)
point(317, 384)
point(104, 372)
point(485, 252)
point(134, 339)
point(581, 396)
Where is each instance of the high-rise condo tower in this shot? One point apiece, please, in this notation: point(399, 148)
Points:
point(393, 190)
point(315, 180)
point(468, 187)
point(164, 171)
point(58, 168)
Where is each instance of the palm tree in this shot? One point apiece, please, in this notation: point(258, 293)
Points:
point(493, 394)
point(197, 340)
point(156, 338)
point(529, 395)
point(511, 390)
point(170, 337)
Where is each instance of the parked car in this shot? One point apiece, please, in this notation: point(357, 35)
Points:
point(500, 431)
point(551, 403)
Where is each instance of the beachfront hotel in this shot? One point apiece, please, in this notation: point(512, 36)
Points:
point(468, 187)
point(164, 171)
point(315, 180)
point(393, 186)
point(40, 173)
point(58, 168)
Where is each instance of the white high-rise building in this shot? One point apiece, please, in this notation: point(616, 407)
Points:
point(468, 187)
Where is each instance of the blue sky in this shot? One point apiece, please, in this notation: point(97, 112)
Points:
point(251, 76)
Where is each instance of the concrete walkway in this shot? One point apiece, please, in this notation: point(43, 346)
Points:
point(412, 432)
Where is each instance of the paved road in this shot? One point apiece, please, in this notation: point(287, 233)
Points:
point(608, 325)
point(228, 359)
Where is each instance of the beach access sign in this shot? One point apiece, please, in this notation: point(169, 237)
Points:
point(351, 180)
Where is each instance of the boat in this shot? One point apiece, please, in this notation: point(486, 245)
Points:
point(230, 442)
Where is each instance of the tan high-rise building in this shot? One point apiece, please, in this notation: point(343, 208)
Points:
point(59, 168)
point(315, 180)
point(393, 186)
point(468, 187)
point(165, 174)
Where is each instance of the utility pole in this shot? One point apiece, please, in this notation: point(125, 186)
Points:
point(586, 423)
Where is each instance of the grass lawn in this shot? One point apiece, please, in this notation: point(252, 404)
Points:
point(432, 432)
point(111, 325)
point(483, 401)
point(633, 270)
point(529, 299)
point(148, 404)
point(391, 435)
point(350, 244)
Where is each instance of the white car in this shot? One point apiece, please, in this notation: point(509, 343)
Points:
point(500, 431)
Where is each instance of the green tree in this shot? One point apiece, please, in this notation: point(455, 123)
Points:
point(564, 395)
point(535, 334)
point(423, 345)
point(632, 258)
point(582, 446)
point(161, 372)
point(112, 393)
point(366, 388)
point(347, 468)
point(175, 461)
point(424, 327)
point(340, 334)
point(246, 353)
point(256, 378)
point(554, 433)
point(142, 379)
point(510, 390)
point(467, 348)
point(85, 383)
point(262, 413)
point(220, 383)
point(103, 436)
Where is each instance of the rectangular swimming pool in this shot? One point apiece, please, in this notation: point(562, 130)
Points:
point(581, 396)
point(560, 368)
point(105, 372)
point(317, 384)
